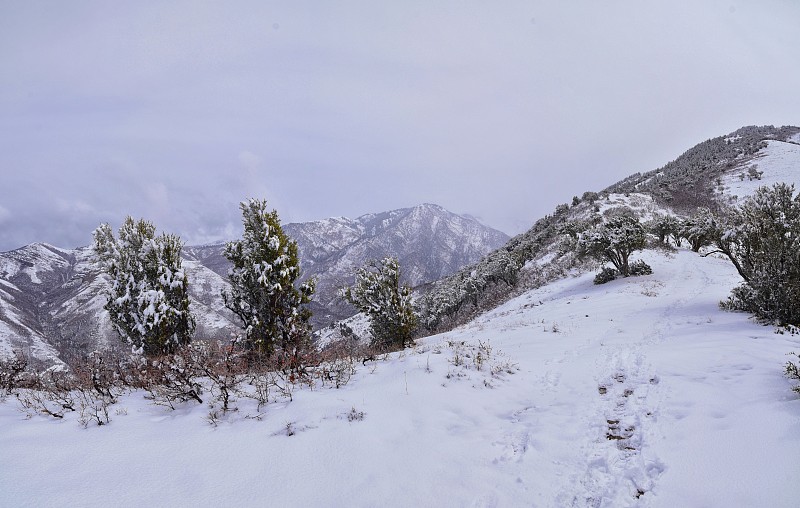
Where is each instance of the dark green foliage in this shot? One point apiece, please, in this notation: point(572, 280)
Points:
point(665, 228)
point(606, 274)
point(639, 268)
point(762, 240)
point(590, 197)
point(614, 241)
point(700, 229)
point(148, 302)
point(263, 293)
point(378, 293)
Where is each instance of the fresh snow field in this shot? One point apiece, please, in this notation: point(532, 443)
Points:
point(640, 392)
point(778, 162)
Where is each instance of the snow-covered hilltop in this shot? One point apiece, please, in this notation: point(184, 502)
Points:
point(713, 173)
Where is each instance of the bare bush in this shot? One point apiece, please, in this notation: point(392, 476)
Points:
point(89, 389)
point(172, 379)
point(52, 395)
point(224, 366)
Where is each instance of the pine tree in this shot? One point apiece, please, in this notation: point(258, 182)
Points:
point(148, 301)
point(265, 294)
point(378, 293)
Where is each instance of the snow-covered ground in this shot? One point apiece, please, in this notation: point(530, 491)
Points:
point(640, 392)
point(778, 163)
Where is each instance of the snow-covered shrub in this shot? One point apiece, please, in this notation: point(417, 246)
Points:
point(762, 240)
point(264, 293)
point(89, 388)
point(99, 372)
point(699, 229)
point(614, 240)
point(666, 227)
point(467, 358)
point(793, 371)
point(354, 415)
point(378, 293)
point(606, 274)
point(47, 403)
point(148, 301)
point(337, 361)
point(52, 395)
point(267, 384)
point(639, 268)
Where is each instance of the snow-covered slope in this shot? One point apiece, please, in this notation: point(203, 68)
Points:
point(639, 392)
point(779, 162)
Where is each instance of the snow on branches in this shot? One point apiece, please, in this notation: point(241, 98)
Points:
point(614, 241)
point(377, 292)
point(148, 301)
point(263, 278)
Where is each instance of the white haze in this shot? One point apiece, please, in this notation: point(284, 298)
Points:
point(177, 112)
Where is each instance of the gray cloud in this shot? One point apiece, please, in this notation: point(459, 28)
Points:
point(177, 112)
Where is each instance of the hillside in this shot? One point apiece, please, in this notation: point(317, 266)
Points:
point(713, 173)
point(640, 392)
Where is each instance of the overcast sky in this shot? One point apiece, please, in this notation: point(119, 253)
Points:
point(176, 111)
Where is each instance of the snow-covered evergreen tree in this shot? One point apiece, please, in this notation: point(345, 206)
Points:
point(148, 301)
point(614, 241)
point(265, 294)
point(378, 293)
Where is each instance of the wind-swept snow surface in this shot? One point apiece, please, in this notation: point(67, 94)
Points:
point(640, 392)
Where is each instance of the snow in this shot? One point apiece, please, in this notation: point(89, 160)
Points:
point(32, 274)
point(8, 285)
point(643, 204)
point(639, 392)
point(779, 163)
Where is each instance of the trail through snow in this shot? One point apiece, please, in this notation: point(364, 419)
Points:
point(640, 392)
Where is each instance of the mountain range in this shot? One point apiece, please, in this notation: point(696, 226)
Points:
point(51, 299)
